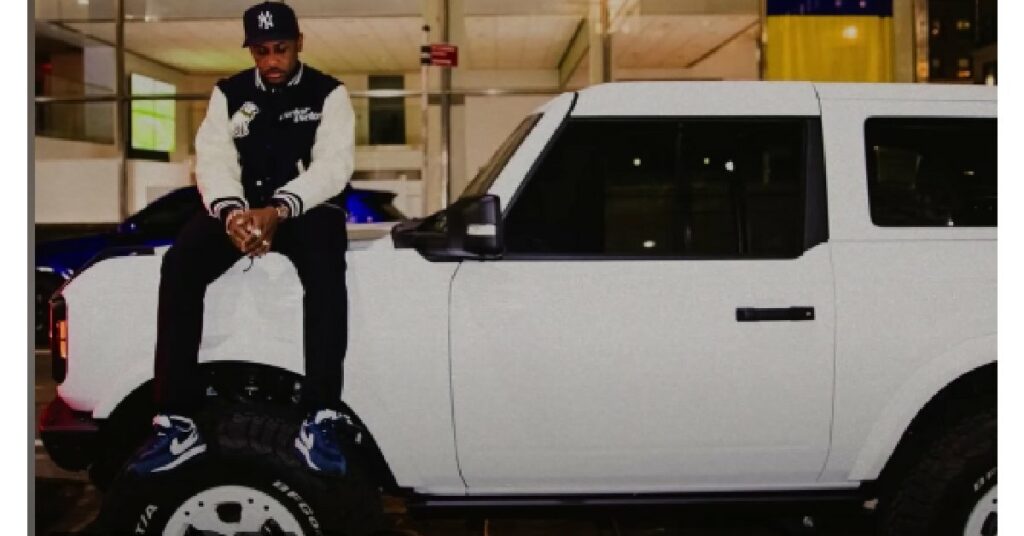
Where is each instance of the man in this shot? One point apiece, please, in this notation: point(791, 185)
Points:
point(276, 144)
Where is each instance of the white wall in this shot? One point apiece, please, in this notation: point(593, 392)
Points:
point(76, 182)
point(80, 182)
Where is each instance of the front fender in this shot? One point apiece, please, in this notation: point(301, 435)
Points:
point(252, 314)
point(397, 374)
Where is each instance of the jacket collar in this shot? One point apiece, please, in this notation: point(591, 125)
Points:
point(293, 82)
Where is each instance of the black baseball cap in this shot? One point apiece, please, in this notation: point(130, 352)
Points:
point(269, 21)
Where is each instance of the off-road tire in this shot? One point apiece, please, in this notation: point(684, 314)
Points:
point(249, 446)
point(936, 494)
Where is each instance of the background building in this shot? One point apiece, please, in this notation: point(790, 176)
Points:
point(122, 85)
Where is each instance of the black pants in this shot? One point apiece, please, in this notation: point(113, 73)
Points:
point(314, 242)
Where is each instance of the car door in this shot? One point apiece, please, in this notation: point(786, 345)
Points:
point(663, 318)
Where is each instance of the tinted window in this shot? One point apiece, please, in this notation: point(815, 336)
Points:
point(387, 115)
point(634, 187)
point(931, 172)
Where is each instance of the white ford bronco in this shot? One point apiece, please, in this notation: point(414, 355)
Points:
point(684, 291)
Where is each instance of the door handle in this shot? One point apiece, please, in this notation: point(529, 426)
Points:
point(756, 314)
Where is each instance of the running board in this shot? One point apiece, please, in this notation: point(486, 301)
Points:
point(798, 500)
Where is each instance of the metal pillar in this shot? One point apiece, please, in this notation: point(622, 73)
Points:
point(446, 110)
point(600, 42)
point(424, 106)
point(606, 42)
point(120, 110)
point(762, 39)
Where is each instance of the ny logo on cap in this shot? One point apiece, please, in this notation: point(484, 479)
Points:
point(265, 21)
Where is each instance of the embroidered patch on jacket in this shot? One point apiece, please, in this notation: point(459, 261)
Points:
point(300, 115)
point(241, 119)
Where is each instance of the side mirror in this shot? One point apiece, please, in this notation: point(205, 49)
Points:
point(470, 228)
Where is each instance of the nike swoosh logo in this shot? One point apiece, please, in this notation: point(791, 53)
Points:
point(306, 438)
point(177, 448)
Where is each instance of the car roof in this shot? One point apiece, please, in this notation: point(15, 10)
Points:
point(916, 92)
point(697, 99)
point(738, 98)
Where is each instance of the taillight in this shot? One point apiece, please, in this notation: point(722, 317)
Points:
point(59, 338)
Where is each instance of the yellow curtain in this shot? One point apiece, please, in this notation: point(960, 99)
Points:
point(829, 48)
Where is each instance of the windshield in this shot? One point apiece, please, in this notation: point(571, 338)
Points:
point(485, 177)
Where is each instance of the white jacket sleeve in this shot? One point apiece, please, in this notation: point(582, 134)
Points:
point(332, 157)
point(218, 172)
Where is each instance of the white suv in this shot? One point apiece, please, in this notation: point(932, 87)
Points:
point(680, 290)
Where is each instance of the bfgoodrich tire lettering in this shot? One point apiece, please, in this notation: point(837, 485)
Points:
point(954, 474)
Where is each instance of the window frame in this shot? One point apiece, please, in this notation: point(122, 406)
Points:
point(813, 193)
point(489, 172)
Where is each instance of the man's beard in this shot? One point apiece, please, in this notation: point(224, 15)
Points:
point(285, 78)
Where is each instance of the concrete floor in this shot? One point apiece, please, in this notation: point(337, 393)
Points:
point(66, 503)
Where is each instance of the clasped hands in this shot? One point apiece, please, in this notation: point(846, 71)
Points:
point(252, 231)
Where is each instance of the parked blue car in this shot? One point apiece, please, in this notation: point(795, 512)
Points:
point(156, 225)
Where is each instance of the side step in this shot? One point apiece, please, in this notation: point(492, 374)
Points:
point(804, 501)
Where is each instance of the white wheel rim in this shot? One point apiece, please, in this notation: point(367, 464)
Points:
point(253, 508)
point(985, 508)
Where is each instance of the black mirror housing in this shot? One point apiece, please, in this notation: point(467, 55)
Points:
point(471, 228)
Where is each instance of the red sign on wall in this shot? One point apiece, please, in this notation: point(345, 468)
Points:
point(439, 55)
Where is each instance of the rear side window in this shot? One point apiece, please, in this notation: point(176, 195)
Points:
point(721, 188)
point(931, 172)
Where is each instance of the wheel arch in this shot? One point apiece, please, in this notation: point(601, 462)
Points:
point(970, 392)
point(234, 381)
point(914, 401)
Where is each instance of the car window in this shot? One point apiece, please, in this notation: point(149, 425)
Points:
point(489, 172)
point(931, 172)
point(657, 188)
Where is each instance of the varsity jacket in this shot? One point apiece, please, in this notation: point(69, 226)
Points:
point(260, 145)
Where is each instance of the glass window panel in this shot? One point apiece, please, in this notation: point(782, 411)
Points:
point(931, 172)
point(152, 121)
point(387, 115)
point(644, 187)
point(79, 121)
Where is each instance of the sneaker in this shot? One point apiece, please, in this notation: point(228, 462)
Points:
point(175, 441)
point(317, 443)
